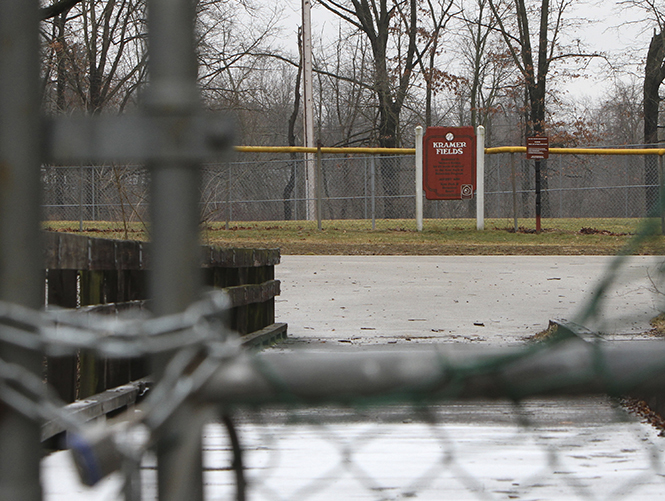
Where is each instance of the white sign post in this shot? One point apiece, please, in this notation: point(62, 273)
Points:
point(480, 178)
point(308, 110)
point(419, 178)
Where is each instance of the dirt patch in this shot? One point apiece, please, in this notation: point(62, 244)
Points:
point(658, 326)
point(528, 231)
point(95, 230)
point(641, 409)
point(544, 334)
point(594, 231)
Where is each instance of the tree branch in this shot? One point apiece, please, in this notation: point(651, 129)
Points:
point(56, 9)
point(316, 70)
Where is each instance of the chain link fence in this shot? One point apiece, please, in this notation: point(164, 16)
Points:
point(537, 449)
point(542, 420)
point(95, 193)
point(295, 441)
point(356, 188)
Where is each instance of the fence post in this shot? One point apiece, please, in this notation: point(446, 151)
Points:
point(365, 189)
point(80, 199)
point(480, 178)
point(319, 187)
point(372, 175)
point(92, 194)
point(173, 95)
point(513, 182)
point(21, 275)
point(661, 173)
point(227, 223)
point(419, 178)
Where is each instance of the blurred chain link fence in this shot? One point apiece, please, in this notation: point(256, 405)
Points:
point(404, 431)
point(355, 188)
point(537, 449)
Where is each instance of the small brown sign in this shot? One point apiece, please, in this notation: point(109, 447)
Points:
point(449, 163)
point(537, 148)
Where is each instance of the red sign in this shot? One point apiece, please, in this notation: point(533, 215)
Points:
point(537, 148)
point(449, 163)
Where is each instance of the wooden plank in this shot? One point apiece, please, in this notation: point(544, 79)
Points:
point(128, 255)
point(62, 290)
point(97, 406)
point(92, 371)
point(71, 251)
point(50, 241)
point(61, 372)
point(266, 336)
point(114, 271)
point(101, 254)
point(244, 295)
point(213, 256)
point(126, 395)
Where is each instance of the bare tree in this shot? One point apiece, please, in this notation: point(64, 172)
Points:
point(391, 29)
point(57, 8)
point(654, 74)
point(533, 52)
point(491, 73)
point(435, 16)
point(348, 104)
point(621, 114)
point(99, 49)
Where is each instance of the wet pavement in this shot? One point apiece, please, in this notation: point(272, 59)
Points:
point(586, 448)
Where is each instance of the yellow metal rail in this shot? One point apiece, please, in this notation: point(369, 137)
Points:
point(412, 151)
point(327, 151)
point(581, 151)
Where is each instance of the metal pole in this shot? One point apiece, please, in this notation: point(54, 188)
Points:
point(480, 178)
point(92, 194)
point(365, 188)
point(227, 224)
point(319, 188)
point(441, 373)
point(296, 200)
point(419, 178)
point(372, 174)
point(625, 182)
point(308, 108)
point(21, 276)
point(560, 162)
point(80, 199)
point(662, 185)
point(513, 181)
point(174, 282)
point(538, 195)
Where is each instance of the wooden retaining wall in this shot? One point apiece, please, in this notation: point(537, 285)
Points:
point(109, 276)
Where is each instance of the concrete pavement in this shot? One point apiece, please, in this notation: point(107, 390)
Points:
point(495, 299)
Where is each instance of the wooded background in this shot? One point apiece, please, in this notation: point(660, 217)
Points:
point(391, 65)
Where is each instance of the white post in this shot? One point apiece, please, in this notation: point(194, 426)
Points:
point(308, 107)
point(419, 178)
point(480, 178)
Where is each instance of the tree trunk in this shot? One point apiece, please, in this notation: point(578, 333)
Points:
point(653, 77)
point(61, 54)
point(388, 166)
point(291, 183)
point(537, 127)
